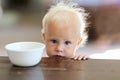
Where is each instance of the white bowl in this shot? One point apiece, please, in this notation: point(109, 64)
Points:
point(25, 53)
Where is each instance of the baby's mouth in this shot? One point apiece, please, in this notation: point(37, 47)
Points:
point(59, 56)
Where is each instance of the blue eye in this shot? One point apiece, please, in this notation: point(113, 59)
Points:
point(54, 41)
point(67, 42)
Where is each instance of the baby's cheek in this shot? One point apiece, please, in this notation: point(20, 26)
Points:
point(50, 51)
point(71, 52)
point(70, 55)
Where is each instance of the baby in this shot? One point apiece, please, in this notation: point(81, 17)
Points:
point(64, 30)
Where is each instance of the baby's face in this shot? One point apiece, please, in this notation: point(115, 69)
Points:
point(61, 40)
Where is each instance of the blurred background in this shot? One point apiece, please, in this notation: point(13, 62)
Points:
point(21, 21)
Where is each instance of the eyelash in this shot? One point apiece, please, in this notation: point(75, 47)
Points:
point(66, 42)
point(54, 41)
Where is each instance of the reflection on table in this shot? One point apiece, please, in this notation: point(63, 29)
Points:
point(59, 68)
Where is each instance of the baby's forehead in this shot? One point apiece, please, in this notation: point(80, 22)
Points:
point(65, 20)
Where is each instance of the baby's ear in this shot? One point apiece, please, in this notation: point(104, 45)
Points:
point(43, 36)
point(79, 41)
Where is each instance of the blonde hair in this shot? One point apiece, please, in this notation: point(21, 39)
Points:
point(72, 7)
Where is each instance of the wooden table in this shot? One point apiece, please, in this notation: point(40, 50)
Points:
point(55, 68)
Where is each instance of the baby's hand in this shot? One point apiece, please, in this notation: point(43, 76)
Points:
point(81, 57)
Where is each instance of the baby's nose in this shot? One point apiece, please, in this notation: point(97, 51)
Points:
point(59, 48)
point(59, 52)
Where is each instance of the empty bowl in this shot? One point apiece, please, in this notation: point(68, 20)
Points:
point(25, 53)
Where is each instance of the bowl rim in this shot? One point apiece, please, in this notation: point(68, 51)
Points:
point(8, 46)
